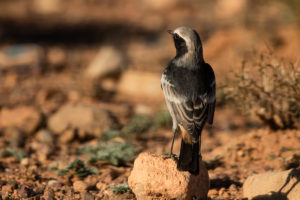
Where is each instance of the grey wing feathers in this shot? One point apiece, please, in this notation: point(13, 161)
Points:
point(190, 113)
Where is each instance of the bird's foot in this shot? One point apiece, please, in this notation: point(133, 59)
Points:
point(170, 155)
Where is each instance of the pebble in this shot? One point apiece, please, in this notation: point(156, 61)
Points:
point(79, 186)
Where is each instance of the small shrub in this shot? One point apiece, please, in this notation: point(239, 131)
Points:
point(13, 153)
point(162, 119)
point(117, 153)
point(138, 125)
point(110, 134)
point(269, 88)
point(120, 189)
point(78, 168)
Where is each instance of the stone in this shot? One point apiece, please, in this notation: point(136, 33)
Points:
point(26, 118)
point(153, 176)
point(86, 118)
point(20, 58)
point(108, 61)
point(6, 190)
point(85, 195)
point(45, 136)
point(80, 186)
point(273, 185)
point(49, 194)
point(14, 136)
point(54, 184)
point(67, 136)
point(24, 162)
point(143, 85)
point(25, 192)
point(48, 7)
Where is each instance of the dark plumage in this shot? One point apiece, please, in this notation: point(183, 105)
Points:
point(189, 87)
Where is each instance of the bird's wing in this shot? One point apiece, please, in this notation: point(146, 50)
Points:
point(211, 102)
point(191, 113)
point(211, 93)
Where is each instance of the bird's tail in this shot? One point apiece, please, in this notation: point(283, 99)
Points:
point(189, 157)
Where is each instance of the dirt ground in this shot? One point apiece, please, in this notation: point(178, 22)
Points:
point(57, 120)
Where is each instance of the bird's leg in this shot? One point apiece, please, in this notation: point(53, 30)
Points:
point(171, 155)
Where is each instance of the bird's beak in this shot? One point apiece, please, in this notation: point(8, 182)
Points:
point(171, 32)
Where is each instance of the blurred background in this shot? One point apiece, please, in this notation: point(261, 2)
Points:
point(80, 92)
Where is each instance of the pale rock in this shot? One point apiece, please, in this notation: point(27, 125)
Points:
point(14, 136)
point(25, 162)
point(45, 136)
point(67, 136)
point(54, 184)
point(79, 186)
point(108, 61)
point(56, 56)
point(143, 85)
point(230, 9)
point(20, 58)
point(48, 7)
point(273, 186)
point(153, 176)
point(26, 118)
point(88, 119)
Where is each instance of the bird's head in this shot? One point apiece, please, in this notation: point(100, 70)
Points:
point(187, 43)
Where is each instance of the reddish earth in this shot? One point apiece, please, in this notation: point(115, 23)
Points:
point(52, 74)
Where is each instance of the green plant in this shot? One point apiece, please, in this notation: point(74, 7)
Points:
point(162, 119)
point(269, 88)
point(120, 189)
point(13, 153)
point(117, 153)
point(137, 125)
point(112, 133)
point(78, 168)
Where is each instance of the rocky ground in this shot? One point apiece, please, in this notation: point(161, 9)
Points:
point(80, 95)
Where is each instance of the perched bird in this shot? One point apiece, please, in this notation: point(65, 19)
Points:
point(189, 86)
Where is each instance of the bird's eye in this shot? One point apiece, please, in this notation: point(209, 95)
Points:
point(176, 36)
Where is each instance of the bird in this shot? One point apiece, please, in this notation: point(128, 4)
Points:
point(189, 87)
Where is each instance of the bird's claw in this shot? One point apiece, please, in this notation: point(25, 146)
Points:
point(169, 155)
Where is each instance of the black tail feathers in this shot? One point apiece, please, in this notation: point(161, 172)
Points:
point(189, 157)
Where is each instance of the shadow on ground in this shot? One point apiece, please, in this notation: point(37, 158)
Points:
point(279, 195)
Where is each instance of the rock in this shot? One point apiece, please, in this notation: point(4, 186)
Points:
point(56, 57)
point(85, 195)
point(79, 186)
point(20, 58)
point(108, 61)
point(54, 184)
point(67, 136)
point(154, 176)
point(88, 119)
point(48, 7)
point(6, 190)
point(26, 118)
point(143, 85)
point(24, 162)
point(273, 185)
point(101, 186)
point(160, 5)
point(45, 136)
point(25, 192)
point(14, 136)
point(230, 9)
point(42, 151)
point(49, 194)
